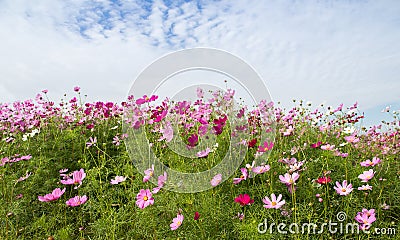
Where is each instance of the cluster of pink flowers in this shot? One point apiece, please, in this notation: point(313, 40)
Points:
point(77, 177)
point(365, 218)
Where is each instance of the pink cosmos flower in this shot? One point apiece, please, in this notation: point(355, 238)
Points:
point(204, 153)
point(244, 199)
point(365, 218)
point(328, 147)
point(56, 194)
point(365, 187)
point(260, 169)
point(343, 189)
point(176, 222)
point(167, 133)
point(77, 177)
point(366, 175)
point(193, 140)
point(316, 145)
point(161, 181)
point(27, 175)
point(144, 198)
point(273, 202)
point(352, 139)
point(148, 173)
point(216, 180)
point(289, 179)
point(118, 179)
point(145, 99)
point(266, 146)
point(76, 89)
point(76, 201)
point(369, 163)
point(242, 177)
point(92, 142)
point(116, 140)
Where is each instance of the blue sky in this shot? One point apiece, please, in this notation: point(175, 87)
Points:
point(319, 51)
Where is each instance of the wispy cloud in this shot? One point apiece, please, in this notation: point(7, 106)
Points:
point(333, 51)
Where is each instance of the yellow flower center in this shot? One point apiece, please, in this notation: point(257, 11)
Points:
point(179, 223)
point(145, 198)
point(273, 203)
point(242, 176)
point(343, 189)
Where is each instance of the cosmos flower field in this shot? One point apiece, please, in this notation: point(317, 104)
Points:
point(66, 173)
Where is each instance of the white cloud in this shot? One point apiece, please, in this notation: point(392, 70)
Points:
point(320, 51)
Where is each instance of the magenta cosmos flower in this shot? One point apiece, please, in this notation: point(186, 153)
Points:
point(77, 177)
point(56, 194)
point(343, 189)
point(144, 198)
point(273, 202)
point(323, 180)
point(244, 199)
point(366, 175)
point(177, 222)
point(266, 146)
point(242, 177)
point(216, 180)
point(76, 201)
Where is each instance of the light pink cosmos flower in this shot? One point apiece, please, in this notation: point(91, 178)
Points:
point(204, 153)
point(343, 189)
point(289, 179)
point(352, 139)
point(176, 222)
point(92, 142)
point(366, 175)
point(216, 180)
point(77, 177)
point(161, 181)
point(118, 179)
point(76, 201)
point(365, 187)
point(27, 175)
point(242, 177)
point(260, 169)
point(148, 173)
point(144, 198)
point(273, 202)
point(328, 147)
point(369, 163)
point(56, 194)
point(365, 218)
point(167, 132)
